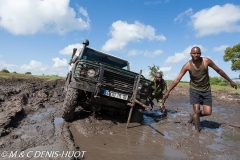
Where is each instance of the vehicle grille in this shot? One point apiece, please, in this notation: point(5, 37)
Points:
point(118, 81)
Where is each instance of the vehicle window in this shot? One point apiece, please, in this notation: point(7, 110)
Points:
point(94, 55)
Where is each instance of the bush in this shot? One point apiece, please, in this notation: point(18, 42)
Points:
point(218, 81)
point(223, 83)
point(214, 80)
point(238, 84)
point(28, 73)
point(4, 70)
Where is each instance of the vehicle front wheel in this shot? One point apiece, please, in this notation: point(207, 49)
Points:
point(70, 103)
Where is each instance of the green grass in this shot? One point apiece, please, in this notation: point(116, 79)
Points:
point(225, 88)
point(213, 87)
point(50, 77)
point(12, 76)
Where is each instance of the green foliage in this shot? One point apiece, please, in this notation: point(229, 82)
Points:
point(238, 84)
point(233, 55)
point(153, 70)
point(28, 73)
point(49, 77)
point(227, 87)
point(12, 76)
point(218, 81)
point(4, 70)
point(223, 83)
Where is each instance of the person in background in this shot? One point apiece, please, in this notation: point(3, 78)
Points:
point(158, 89)
point(200, 90)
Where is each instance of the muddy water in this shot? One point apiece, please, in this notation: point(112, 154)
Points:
point(138, 142)
point(30, 122)
point(161, 138)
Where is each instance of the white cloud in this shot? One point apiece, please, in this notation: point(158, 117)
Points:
point(155, 53)
point(135, 52)
point(59, 63)
point(145, 53)
point(165, 69)
point(48, 16)
point(170, 76)
point(145, 74)
point(182, 15)
point(122, 33)
point(185, 54)
point(176, 58)
point(217, 19)
point(83, 11)
point(69, 49)
point(60, 67)
point(220, 48)
point(34, 65)
point(9, 67)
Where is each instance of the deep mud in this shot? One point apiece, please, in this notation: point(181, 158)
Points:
point(30, 122)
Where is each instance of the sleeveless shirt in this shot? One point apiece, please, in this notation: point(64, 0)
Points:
point(199, 79)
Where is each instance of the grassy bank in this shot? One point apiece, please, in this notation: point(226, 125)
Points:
point(12, 76)
point(227, 88)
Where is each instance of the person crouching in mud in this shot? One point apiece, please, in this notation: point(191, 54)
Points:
point(200, 90)
point(158, 89)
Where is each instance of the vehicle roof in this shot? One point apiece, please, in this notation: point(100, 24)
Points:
point(108, 54)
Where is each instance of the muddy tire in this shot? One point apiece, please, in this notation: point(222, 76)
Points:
point(67, 82)
point(137, 114)
point(70, 103)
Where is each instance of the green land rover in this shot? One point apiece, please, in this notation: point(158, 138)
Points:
point(100, 81)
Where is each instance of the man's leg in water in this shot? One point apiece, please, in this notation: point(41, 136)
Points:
point(196, 116)
point(197, 98)
point(207, 110)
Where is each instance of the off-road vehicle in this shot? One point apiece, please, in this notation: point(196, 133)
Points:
point(104, 81)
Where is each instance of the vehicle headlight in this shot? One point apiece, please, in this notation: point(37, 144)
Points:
point(91, 73)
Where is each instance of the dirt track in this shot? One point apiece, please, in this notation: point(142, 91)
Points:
point(30, 122)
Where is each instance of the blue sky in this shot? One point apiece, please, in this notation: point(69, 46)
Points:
point(38, 36)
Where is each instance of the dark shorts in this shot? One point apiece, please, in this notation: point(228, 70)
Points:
point(203, 98)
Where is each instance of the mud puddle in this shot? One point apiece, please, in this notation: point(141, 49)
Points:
point(160, 138)
point(140, 142)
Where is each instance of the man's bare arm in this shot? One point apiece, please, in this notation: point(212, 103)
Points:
point(221, 72)
point(179, 77)
point(176, 81)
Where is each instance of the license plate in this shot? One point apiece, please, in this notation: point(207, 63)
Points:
point(115, 94)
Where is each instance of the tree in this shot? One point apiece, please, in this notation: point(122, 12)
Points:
point(28, 73)
point(233, 55)
point(4, 70)
point(153, 71)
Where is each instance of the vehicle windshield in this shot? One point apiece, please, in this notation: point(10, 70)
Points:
point(101, 57)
